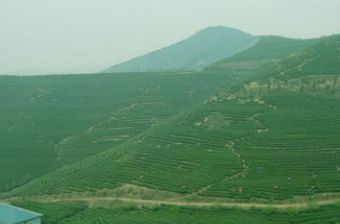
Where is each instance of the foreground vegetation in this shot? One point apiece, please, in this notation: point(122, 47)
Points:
point(128, 213)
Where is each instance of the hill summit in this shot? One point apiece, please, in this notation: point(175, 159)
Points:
point(196, 52)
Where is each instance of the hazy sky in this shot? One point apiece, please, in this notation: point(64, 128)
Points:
point(61, 36)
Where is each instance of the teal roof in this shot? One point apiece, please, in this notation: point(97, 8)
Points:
point(12, 215)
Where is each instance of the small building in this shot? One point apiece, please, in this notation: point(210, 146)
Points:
point(13, 215)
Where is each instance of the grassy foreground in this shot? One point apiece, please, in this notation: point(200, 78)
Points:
point(78, 212)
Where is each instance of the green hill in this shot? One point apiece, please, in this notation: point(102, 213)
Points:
point(268, 48)
point(204, 48)
point(271, 47)
point(252, 141)
point(320, 59)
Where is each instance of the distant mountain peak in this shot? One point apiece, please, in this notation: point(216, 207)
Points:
point(219, 29)
point(205, 47)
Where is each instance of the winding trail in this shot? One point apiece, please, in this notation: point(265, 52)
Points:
point(243, 172)
point(242, 205)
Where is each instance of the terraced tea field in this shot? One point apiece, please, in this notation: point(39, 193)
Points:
point(183, 154)
point(234, 148)
point(56, 120)
point(295, 153)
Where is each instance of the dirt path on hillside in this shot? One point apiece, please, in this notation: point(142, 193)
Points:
point(244, 205)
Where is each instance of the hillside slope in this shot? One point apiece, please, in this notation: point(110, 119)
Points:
point(268, 48)
point(204, 48)
point(57, 120)
point(220, 148)
point(322, 58)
